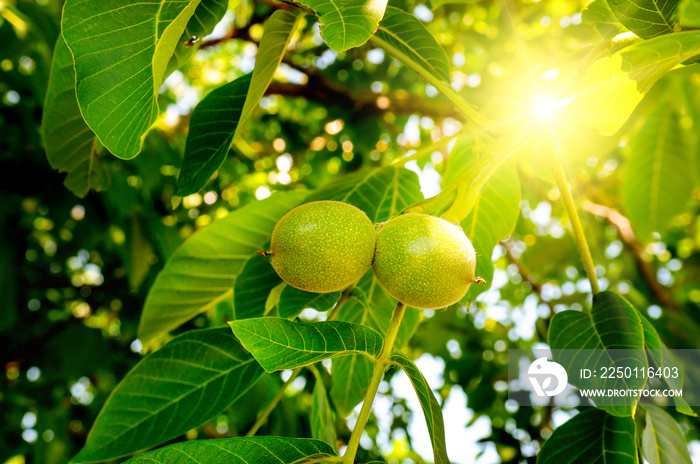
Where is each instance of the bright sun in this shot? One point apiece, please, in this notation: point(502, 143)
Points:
point(547, 108)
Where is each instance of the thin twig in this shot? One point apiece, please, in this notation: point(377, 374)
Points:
point(635, 247)
point(526, 274)
point(271, 406)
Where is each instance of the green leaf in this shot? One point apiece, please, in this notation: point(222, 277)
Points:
point(202, 23)
point(253, 286)
point(660, 356)
point(322, 424)
point(213, 125)
point(381, 193)
point(604, 20)
point(216, 119)
point(181, 386)
point(613, 87)
point(689, 13)
point(278, 344)
point(646, 18)
point(591, 437)
point(249, 450)
point(346, 24)
point(407, 34)
point(293, 301)
point(70, 144)
point(663, 441)
point(459, 196)
point(657, 184)
point(202, 270)
point(121, 54)
point(494, 214)
point(612, 324)
point(431, 408)
point(279, 31)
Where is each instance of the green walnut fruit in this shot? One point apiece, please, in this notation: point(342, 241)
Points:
point(424, 261)
point(323, 246)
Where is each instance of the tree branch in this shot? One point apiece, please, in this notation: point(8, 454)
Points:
point(525, 272)
point(635, 248)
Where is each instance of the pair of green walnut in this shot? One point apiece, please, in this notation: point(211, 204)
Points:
point(326, 246)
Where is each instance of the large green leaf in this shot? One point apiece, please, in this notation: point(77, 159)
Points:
point(494, 214)
point(70, 144)
point(213, 125)
point(279, 31)
point(346, 24)
point(407, 34)
point(591, 437)
point(216, 119)
point(203, 269)
point(293, 301)
point(278, 343)
point(612, 324)
point(249, 450)
point(202, 23)
point(381, 193)
point(184, 384)
point(460, 193)
point(604, 20)
point(657, 184)
point(689, 13)
point(646, 18)
point(322, 424)
point(614, 86)
point(252, 287)
point(660, 356)
point(431, 408)
point(663, 441)
point(121, 55)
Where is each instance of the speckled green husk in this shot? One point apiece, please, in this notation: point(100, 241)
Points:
point(424, 261)
point(323, 246)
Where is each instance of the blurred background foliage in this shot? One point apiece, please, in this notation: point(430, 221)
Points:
point(74, 272)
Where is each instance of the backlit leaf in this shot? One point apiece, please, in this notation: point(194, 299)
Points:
point(70, 144)
point(604, 20)
point(201, 24)
point(121, 54)
point(656, 183)
point(179, 387)
point(279, 344)
point(407, 34)
point(646, 18)
point(431, 408)
point(612, 324)
point(663, 441)
point(322, 424)
point(248, 450)
point(347, 24)
point(614, 86)
point(216, 119)
point(202, 270)
point(591, 437)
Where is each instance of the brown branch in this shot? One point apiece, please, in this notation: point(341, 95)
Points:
point(635, 248)
point(364, 104)
point(323, 90)
point(525, 272)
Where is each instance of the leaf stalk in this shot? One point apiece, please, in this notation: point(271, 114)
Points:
point(380, 366)
point(570, 206)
